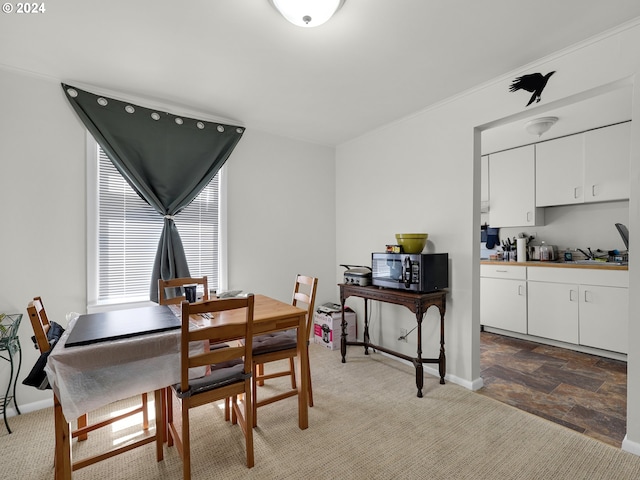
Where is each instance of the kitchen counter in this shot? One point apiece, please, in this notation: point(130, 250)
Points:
point(558, 264)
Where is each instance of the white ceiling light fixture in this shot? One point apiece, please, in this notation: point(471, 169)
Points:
point(538, 126)
point(307, 13)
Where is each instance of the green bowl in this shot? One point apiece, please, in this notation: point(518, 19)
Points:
point(412, 242)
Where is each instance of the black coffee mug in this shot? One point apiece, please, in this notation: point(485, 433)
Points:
point(190, 293)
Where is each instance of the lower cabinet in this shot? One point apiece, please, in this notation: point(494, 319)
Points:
point(553, 311)
point(604, 317)
point(585, 307)
point(503, 293)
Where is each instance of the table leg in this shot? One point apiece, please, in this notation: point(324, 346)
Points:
point(5, 400)
point(302, 370)
point(418, 362)
point(15, 381)
point(62, 444)
point(367, 339)
point(442, 363)
point(343, 336)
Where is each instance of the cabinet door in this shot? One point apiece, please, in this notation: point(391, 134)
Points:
point(512, 189)
point(503, 304)
point(604, 317)
point(607, 154)
point(553, 311)
point(559, 171)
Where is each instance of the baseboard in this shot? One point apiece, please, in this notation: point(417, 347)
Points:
point(473, 385)
point(630, 446)
point(30, 407)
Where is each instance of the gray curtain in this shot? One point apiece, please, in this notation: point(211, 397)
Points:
point(165, 158)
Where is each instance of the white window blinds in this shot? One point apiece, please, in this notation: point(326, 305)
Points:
point(129, 231)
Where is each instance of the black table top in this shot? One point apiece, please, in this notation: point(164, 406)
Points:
point(101, 327)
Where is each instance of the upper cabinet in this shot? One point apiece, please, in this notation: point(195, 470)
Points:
point(560, 171)
point(588, 167)
point(512, 188)
point(606, 166)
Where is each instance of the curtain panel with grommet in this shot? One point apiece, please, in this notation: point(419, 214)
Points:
point(167, 159)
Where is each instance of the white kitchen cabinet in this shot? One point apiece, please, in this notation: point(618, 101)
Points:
point(607, 155)
point(588, 167)
point(560, 171)
point(512, 189)
point(553, 311)
point(604, 317)
point(582, 306)
point(503, 291)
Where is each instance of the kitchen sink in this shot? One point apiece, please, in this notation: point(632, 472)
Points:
point(595, 262)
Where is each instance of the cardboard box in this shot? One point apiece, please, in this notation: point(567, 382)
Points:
point(327, 328)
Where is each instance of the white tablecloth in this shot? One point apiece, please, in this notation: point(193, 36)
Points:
point(86, 378)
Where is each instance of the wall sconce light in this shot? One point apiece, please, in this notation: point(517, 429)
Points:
point(307, 13)
point(538, 126)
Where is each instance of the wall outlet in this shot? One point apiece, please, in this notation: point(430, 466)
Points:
point(403, 335)
point(533, 235)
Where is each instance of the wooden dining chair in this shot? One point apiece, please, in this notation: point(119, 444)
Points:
point(41, 326)
point(177, 284)
point(41, 329)
point(283, 345)
point(228, 378)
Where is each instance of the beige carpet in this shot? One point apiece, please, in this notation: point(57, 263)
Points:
point(367, 423)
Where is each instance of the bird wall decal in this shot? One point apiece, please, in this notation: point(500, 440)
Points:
point(534, 82)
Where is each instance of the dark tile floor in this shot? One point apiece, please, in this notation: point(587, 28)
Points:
point(583, 392)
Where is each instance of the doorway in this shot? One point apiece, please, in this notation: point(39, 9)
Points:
point(584, 392)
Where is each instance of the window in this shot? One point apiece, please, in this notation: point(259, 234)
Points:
point(124, 232)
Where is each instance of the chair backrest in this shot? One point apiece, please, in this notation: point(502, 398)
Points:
point(40, 323)
point(178, 283)
point(304, 292)
point(241, 328)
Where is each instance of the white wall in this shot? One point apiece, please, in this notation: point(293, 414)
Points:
point(281, 215)
point(42, 180)
point(273, 184)
point(579, 226)
point(422, 174)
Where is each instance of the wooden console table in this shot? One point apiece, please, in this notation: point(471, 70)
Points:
point(418, 303)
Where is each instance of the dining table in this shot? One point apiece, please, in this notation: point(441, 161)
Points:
point(87, 377)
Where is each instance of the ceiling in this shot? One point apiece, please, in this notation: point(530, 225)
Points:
point(375, 62)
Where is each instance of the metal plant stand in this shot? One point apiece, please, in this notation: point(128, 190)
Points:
point(10, 343)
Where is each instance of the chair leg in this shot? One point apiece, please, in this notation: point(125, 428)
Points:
point(254, 403)
point(145, 412)
point(292, 373)
point(186, 444)
point(260, 372)
point(169, 414)
point(160, 422)
point(82, 422)
point(248, 429)
point(310, 390)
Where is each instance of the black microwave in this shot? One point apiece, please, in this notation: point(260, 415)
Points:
point(419, 272)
